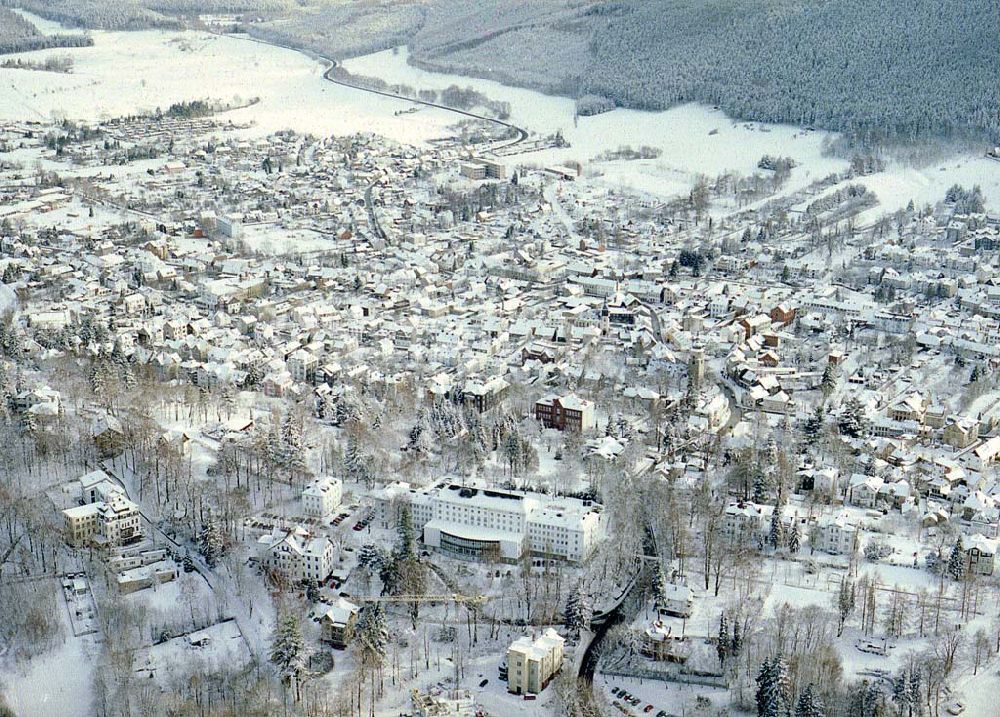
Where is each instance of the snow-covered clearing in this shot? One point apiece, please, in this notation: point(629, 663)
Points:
point(189, 592)
point(57, 682)
point(128, 72)
point(167, 67)
point(265, 239)
point(8, 299)
point(219, 644)
point(927, 185)
point(681, 133)
point(694, 140)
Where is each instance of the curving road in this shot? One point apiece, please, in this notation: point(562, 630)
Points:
point(625, 611)
point(328, 75)
point(522, 134)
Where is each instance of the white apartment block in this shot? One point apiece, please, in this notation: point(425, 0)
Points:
point(296, 554)
point(835, 535)
point(487, 524)
point(80, 524)
point(302, 366)
point(531, 664)
point(107, 516)
point(742, 522)
point(322, 496)
point(119, 520)
point(112, 522)
point(390, 500)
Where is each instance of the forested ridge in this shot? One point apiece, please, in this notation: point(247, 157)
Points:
point(19, 35)
point(898, 70)
point(346, 29)
point(98, 14)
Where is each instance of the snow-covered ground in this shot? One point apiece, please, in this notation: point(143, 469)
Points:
point(57, 682)
point(681, 133)
point(264, 239)
point(688, 149)
point(127, 72)
point(219, 644)
point(927, 185)
point(167, 67)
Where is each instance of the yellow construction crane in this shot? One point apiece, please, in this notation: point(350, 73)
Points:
point(475, 600)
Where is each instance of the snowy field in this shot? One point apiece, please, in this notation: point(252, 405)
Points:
point(56, 683)
point(263, 238)
point(927, 185)
point(688, 149)
point(218, 644)
point(167, 67)
point(682, 133)
point(127, 72)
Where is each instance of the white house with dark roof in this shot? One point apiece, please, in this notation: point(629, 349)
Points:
point(835, 535)
point(980, 553)
point(322, 496)
point(296, 554)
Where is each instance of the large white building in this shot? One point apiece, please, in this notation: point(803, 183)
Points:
point(835, 535)
point(296, 554)
point(322, 496)
point(531, 664)
point(107, 517)
point(302, 366)
point(491, 524)
point(742, 522)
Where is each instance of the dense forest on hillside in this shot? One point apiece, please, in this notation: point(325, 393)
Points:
point(98, 14)
point(893, 71)
point(539, 44)
point(19, 35)
point(346, 29)
point(897, 70)
point(219, 6)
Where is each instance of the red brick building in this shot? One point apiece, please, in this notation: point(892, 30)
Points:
point(565, 412)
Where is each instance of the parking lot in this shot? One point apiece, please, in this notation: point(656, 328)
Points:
point(640, 697)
